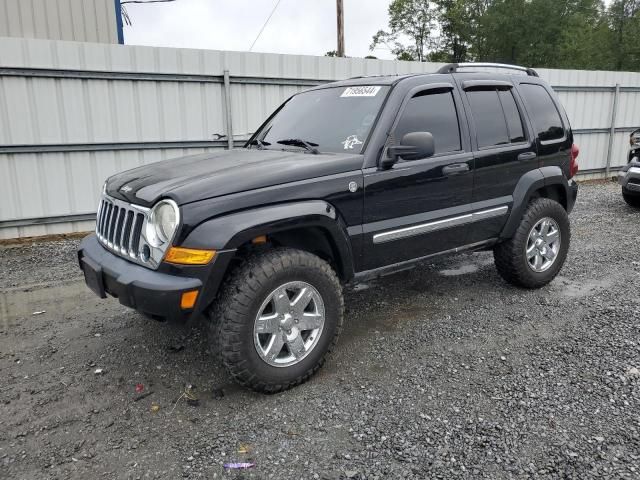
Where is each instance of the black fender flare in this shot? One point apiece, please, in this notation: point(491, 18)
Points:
point(528, 184)
point(228, 232)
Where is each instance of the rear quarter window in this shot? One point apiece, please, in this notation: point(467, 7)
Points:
point(544, 114)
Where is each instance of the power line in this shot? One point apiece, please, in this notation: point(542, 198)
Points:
point(265, 24)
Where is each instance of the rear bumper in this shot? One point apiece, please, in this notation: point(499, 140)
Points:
point(629, 177)
point(153, 292)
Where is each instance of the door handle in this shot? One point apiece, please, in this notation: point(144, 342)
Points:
point(527, 156)
point(455, 169)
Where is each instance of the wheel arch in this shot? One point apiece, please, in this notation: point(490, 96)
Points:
point(314, 226)
point(546, 182)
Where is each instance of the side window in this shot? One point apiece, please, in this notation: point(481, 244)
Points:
point(433, 112)
point(546, 119)
point(488, 117)
point(511, 113)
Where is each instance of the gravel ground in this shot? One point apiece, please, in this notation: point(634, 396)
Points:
point(442, 372)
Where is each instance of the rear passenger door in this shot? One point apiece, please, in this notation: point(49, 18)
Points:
point(503, 150)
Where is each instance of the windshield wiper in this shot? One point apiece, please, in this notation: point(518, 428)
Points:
point(298, 142)
point(260, 143)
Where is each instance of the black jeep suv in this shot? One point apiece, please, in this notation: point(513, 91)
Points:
point(343, 182)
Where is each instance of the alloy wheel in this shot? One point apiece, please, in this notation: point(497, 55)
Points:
point(289, 324)
point(543, 245)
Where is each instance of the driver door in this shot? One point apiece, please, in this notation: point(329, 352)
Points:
point(417, 208)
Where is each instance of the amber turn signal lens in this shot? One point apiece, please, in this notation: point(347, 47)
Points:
point(188, 299)
point(189, 256)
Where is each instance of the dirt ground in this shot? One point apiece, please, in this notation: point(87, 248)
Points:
point(443, 371)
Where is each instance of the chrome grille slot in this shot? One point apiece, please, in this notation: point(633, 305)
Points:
point(112, 225)
point(117, 243)
point(126, 233)
point(100, 218)
point(105, 216)
point(119, 228)
point(137, 231)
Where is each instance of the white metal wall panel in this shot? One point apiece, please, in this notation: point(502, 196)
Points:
point(52, 184)
point(628, 109)
point(593, 149)
point(589, 77)
point(38, 111)
point(587, 109)
point(77, 20)
point(50, 111)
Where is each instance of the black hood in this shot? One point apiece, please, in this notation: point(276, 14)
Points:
point(213, 174)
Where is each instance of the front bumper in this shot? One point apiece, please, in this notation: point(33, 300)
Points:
point(153, 292)
point(629, 177)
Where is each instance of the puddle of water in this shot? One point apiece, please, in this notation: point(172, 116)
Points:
point(477, 261)
point(462, 270)
point(24, 302)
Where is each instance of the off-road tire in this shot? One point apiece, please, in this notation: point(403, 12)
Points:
point(231, 319)
point(633, 200)
point(510, 258)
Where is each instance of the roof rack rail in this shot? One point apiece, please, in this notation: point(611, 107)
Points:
point(374, 75)
point(453, 67)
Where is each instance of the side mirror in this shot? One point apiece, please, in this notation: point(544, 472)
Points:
point(413, 146)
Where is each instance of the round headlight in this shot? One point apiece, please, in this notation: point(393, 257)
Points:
point(162, 222)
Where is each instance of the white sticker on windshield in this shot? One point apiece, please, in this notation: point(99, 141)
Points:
point(361, 92)
point(351, 141)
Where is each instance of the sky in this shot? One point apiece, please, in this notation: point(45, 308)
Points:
point(306, 27)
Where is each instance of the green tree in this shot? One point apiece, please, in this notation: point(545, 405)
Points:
point(411, 23)
point(458, 20)
point(579, 34)
point(585, 40)
point(542, 33)
point(624, 24)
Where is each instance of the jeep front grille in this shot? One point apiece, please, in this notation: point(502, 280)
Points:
point(119, 228)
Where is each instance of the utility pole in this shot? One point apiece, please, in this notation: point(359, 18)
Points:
point(340, 13)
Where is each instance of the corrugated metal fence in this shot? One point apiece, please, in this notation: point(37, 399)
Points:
point(71, 114)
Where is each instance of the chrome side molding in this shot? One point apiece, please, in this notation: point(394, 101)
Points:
point(439, 225)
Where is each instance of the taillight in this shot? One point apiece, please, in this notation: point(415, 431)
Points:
point(573, 163)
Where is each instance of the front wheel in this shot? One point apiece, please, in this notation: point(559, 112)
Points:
point(536, 252)
point(278, 316)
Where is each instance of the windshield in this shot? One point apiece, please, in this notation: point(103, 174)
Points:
point(336, 119)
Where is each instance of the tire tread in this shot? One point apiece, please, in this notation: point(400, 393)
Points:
point(229, 314)
point(507, 255)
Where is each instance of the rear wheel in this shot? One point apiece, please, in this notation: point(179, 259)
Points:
point(536, 252)
point(633, 200)
point(278, 316)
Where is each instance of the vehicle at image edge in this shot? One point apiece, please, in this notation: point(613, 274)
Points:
point(342, 183)
point(629, 176)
